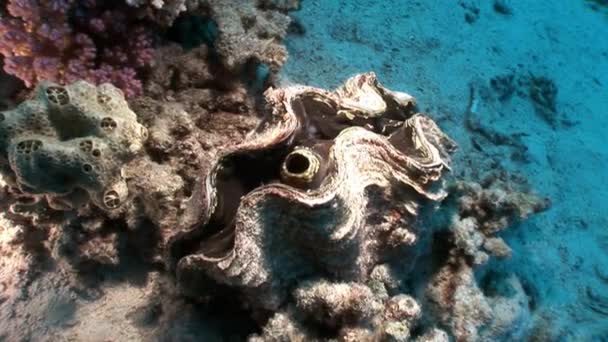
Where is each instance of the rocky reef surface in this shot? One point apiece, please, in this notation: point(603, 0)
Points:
point(308, 216)
point(220, 202)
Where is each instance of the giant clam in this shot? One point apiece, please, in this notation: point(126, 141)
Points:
point(325, 187)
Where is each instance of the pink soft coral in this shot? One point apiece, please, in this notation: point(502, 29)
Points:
point(66, 40)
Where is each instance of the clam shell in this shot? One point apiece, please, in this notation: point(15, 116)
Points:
point(261, 235)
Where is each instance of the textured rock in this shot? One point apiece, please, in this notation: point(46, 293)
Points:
point(250, 30)
point(457, 300)
point(335, 305)
point(498, 312)
point(159, 189)
point(15, 262)
point(433, 335)
point(281, 328)
point(69, 144)
point(198, 83)
point(482, 211)
point(485, 210)
point(510, 308)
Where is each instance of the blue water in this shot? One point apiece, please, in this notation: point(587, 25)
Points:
point(437, 51)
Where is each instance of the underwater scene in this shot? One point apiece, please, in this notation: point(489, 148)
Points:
point(303, 170)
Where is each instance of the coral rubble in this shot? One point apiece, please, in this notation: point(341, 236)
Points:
point(485, 210)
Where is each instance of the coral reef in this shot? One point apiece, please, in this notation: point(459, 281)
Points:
point(220, 111)
point(249, 30)
point(358, 312)
point(475, 314)
point(65, 40)
point(456, 300)
point(214, 205)
point(163, 11)
point(486, 209)
point(295, 218)
point(69, 145)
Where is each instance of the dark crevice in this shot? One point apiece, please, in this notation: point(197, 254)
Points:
point(239, 175)
point(191, 31)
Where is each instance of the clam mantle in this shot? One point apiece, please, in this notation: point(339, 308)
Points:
point(326, 186)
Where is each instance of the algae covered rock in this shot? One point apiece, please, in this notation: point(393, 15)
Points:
point(69, 144)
